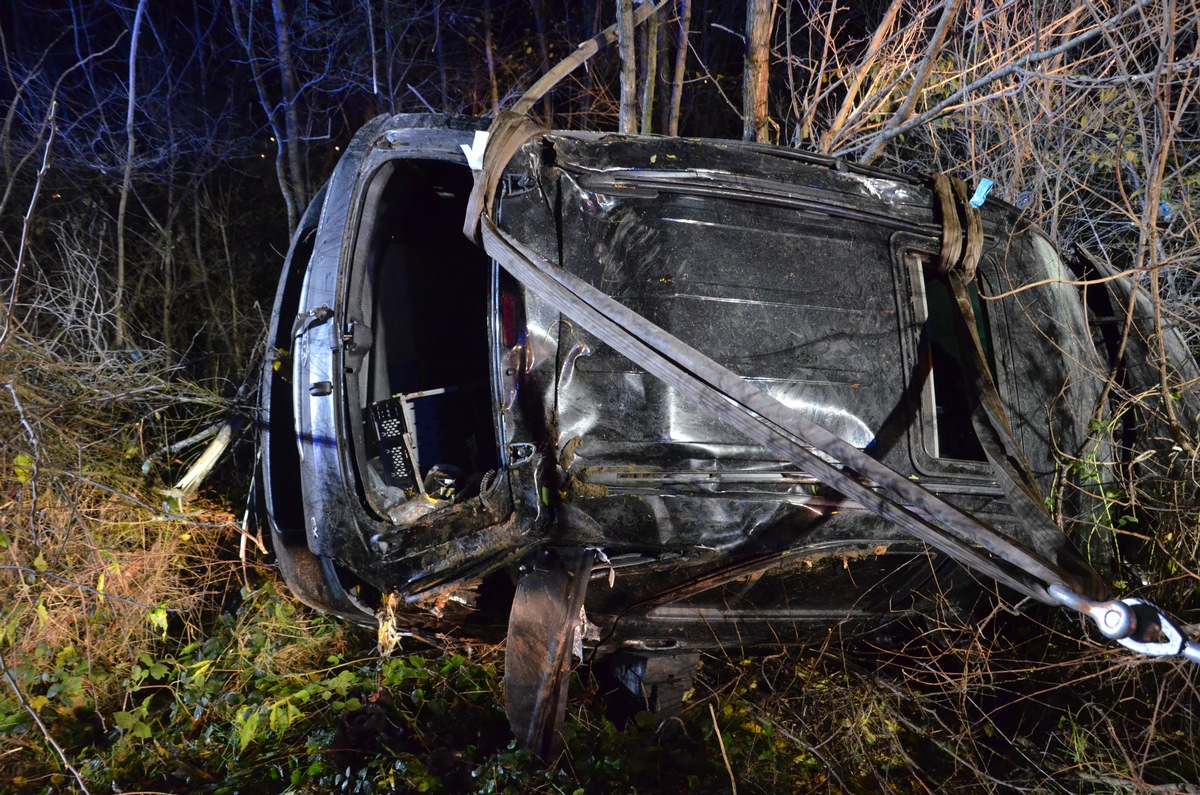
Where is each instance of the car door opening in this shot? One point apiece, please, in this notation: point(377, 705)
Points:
point(424, 403)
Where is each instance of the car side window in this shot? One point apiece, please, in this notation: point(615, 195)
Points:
point(945, 441)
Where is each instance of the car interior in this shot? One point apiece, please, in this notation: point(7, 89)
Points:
point(422, 288)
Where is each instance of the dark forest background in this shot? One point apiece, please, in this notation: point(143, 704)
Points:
point(154, 158)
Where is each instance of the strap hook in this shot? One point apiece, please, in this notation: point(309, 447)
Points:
point(1136, 624)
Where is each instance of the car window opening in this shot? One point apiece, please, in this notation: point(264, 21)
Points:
point(428, 411)
point(954, 434)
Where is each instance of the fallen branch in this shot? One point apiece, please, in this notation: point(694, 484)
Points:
point(172, 449)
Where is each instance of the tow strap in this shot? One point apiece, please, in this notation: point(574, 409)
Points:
point(779, 429)
point(1066, 579)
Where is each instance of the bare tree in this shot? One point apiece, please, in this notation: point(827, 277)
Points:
point(685, 19)
point(119, 311)
point(951, 9)
point(287, 79)
point(650, 71)
point(860, 73)
point(625, 46)
point(278, 132)
point(490, 50)
point(760, 25)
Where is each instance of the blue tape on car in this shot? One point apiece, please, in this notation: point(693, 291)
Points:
point(981, 192)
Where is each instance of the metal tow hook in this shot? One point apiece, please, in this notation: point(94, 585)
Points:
point(1136, 624)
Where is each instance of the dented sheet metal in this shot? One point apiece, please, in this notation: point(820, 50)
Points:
point(640, 273)
point(806, 278)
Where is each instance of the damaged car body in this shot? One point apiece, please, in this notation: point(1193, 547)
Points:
point(446, 440)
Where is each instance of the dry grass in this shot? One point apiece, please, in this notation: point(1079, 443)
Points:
point(89, 562)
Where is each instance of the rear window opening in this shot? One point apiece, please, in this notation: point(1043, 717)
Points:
point(423, 399)
point(947, 395)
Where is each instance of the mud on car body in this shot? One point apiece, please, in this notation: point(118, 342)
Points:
point(439, 433)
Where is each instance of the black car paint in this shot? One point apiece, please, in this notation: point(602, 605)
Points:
point(801, 273)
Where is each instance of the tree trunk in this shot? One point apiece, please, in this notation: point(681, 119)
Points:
point(443, 78)
point(277, 134)
point(539, 19)
point(588, 99)
point(119, 312)
point(760, 23)
point(650, 57)
point(287, 76)
point(685, 19)
point(374, 59)
point(491, 58)
point(625, 46)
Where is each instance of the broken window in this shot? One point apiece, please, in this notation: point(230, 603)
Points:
point(946, 397)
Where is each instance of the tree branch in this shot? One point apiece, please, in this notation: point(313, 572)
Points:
point(935, 46)
point(1008, 69)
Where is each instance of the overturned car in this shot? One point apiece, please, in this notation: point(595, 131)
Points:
point(666, 395)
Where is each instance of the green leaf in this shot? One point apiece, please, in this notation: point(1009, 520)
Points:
point(158, 617)
point(125, 720)
point(39, 562)
point(248, 729)
point(23, 468)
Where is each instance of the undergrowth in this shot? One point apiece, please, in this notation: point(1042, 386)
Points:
point(142, 656)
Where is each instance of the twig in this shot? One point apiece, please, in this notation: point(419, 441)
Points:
point(26, 224)
point(808, 747)
point(413, 89)
point(1008, 69)
point(721, 742)
point(35, 462)
point(45, 732)
point(88, 588)
point(1071, 282)
point(860, 74)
